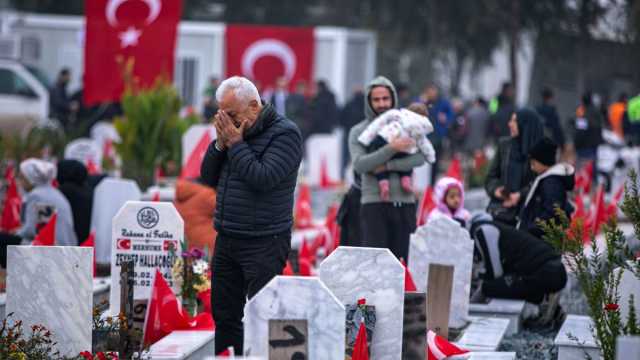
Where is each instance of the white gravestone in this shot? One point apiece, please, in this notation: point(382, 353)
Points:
point(296, 298)
point(84, 150)
point(352, 273)
point(192, 136)
point(483, 334)
point(575, 339)
point(144, 232)
point(52, 286)
point(443, 241)
point(327, 149)
point(629, 284)
point(108, 198)
point(627, 347)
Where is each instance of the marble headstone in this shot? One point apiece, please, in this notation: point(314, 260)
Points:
point(575, 339)
point(325, 148)
point(144, 232)
point(627, 347)
point(629, 284)
point(84, 150)
point(52, 286)
point(352, 273)
point(295, 298)
point(443, 241)
point(108, 198)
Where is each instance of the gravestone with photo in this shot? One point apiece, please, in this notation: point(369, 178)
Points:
point(296, 298)
point(108, 197)
point(356, 315)
point(144, 232)
point(353, 273)
point(52, 286)
point(443, 241)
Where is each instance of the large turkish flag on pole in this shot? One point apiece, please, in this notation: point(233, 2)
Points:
point(264, 54)
point(118, 30)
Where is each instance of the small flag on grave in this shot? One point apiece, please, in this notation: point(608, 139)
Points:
point(303, 216)
point(164, 314)
point(360, 351)
point(47, 235)
point(409, 285)
point(11, 210)
point(438, 348)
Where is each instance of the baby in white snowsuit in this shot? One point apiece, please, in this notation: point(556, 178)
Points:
point(411, 122)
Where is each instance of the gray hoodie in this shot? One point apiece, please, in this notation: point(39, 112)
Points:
point(365, 163)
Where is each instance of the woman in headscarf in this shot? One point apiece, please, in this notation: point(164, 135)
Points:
point(510, 176)
point(41, 201)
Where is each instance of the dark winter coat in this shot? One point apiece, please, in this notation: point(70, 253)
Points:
point(72, 179)
point(552, 125)
point(587, 128)
point(549, 190)
point(508, 250)
point(510, 167)
point(324, 112)
point(256, 178)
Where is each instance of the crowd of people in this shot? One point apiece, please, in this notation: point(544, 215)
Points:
point(254, 161)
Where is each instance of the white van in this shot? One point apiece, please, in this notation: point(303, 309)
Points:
point(24, 97)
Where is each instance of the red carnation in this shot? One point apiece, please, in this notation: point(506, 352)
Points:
point(611, 307)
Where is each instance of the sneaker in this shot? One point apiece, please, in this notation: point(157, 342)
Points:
point(384, 189)
point(406, 183)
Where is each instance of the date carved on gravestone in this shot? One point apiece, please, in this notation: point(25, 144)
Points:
point(288, 339)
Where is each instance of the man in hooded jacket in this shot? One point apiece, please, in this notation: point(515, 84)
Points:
point(384, 223)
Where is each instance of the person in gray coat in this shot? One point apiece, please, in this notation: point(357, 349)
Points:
point(42, 201)
point(384, 223)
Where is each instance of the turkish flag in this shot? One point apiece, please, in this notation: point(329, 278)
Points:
point(123, 244)
point(191, 169)
point(47, 234)
point(119, 30)
point(165, 314)
point(265, 53)
point(10, 219)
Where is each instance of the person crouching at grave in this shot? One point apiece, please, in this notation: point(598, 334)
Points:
point(449, 198)
point(253, 165)
point(513, 264)
point(549, 189)
point(395, 124)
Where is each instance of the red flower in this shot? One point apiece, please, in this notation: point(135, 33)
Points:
point(611, 307)
point(101, 356)
point(87, 355)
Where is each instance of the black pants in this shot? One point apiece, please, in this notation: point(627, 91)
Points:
point(241, 267)
point(349, 218)
point(550, 277)
point(388, 225)
point(376, 144)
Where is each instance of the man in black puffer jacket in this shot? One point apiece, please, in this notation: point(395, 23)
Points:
point(253, 165)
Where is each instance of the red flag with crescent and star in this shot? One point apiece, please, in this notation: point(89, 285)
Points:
point(265, 53)
point(119, 30)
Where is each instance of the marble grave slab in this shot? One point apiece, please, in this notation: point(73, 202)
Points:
point(578, 328)
point(296, 298)
point(444, 241)
point(352, 273)
point(52, 286)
